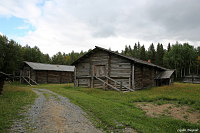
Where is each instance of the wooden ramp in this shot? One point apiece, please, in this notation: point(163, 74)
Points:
point(118, 86)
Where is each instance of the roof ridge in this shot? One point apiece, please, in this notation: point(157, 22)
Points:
point(45, 63)
point(132, 58)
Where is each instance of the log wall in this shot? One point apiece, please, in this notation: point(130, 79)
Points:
point(115, 67)
point(133, 75)
point(48, 76)
point(145, 76)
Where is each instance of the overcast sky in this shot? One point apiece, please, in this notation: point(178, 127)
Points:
point(66, 25)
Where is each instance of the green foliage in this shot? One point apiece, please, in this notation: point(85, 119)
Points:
point(112, 110)
point(12, 56)
point(152, 53)
point(182, 57)
point(159, 54)
point(66, 59)
point(12, 103)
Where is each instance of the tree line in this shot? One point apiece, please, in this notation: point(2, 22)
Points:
point(12, 55)
point(185, 58)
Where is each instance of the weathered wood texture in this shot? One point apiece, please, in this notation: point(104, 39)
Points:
point(48, 76)
point(101, 68)
point(99, 64)
point(145, 76)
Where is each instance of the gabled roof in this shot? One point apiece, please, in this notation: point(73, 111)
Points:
point(123, 56)
point(165, 74)
point(50, 67)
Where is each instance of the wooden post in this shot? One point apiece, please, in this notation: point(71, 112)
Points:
point(104, 86)
point(29, 76)
point(133, 76)
point(121, 85)
point(109, 68)
point(92, 78)
point(75, 84)
point(36, 76)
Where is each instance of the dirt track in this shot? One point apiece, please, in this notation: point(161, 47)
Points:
point(52, 113)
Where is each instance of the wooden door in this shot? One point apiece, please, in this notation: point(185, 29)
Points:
point(100, 70)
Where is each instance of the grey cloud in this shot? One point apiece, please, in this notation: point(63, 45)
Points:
point(147, 19)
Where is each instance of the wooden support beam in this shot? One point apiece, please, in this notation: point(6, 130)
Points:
point(92, 79)
point(133, 77)
point(109, 67)
point(29, 76)
point(91, 73)
point(36, 76)
point(75, 84)
point(121, 85)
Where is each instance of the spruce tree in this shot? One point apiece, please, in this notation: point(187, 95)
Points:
point(142, 53)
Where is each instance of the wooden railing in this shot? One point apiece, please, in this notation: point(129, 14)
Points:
point(105, 83)
point(120, 83)
point(26, 81)
point(116, 83)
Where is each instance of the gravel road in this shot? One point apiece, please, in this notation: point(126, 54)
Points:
point(53, 113)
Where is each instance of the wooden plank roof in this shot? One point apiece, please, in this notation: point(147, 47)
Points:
point(49, 67)
point(165, 74)
point(123, 56)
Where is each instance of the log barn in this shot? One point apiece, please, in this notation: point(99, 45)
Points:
point(102, 68)
point(34, 73)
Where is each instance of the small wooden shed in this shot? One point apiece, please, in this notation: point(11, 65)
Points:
point(102, 68)
point(165, 78)
point(34, 73)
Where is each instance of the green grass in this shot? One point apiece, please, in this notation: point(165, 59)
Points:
point(113, 110)
point(13, 101)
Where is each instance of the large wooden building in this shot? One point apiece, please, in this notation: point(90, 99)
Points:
point(102, 68)
point(34, 73)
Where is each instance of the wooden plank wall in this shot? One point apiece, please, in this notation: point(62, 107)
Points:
point(83, 68)
point(121, 70)
point(115, 67)
point(144, 76)
point(135, 76)
point(48, 76)
point(41, 77)
point(99, 58)
point(54, 77)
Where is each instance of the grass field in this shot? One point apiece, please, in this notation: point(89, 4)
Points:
point(112, 110)
point(15, 97)
point(109, 110)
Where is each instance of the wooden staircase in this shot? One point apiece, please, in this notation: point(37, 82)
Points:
point(118, 86)
point(29, 80)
